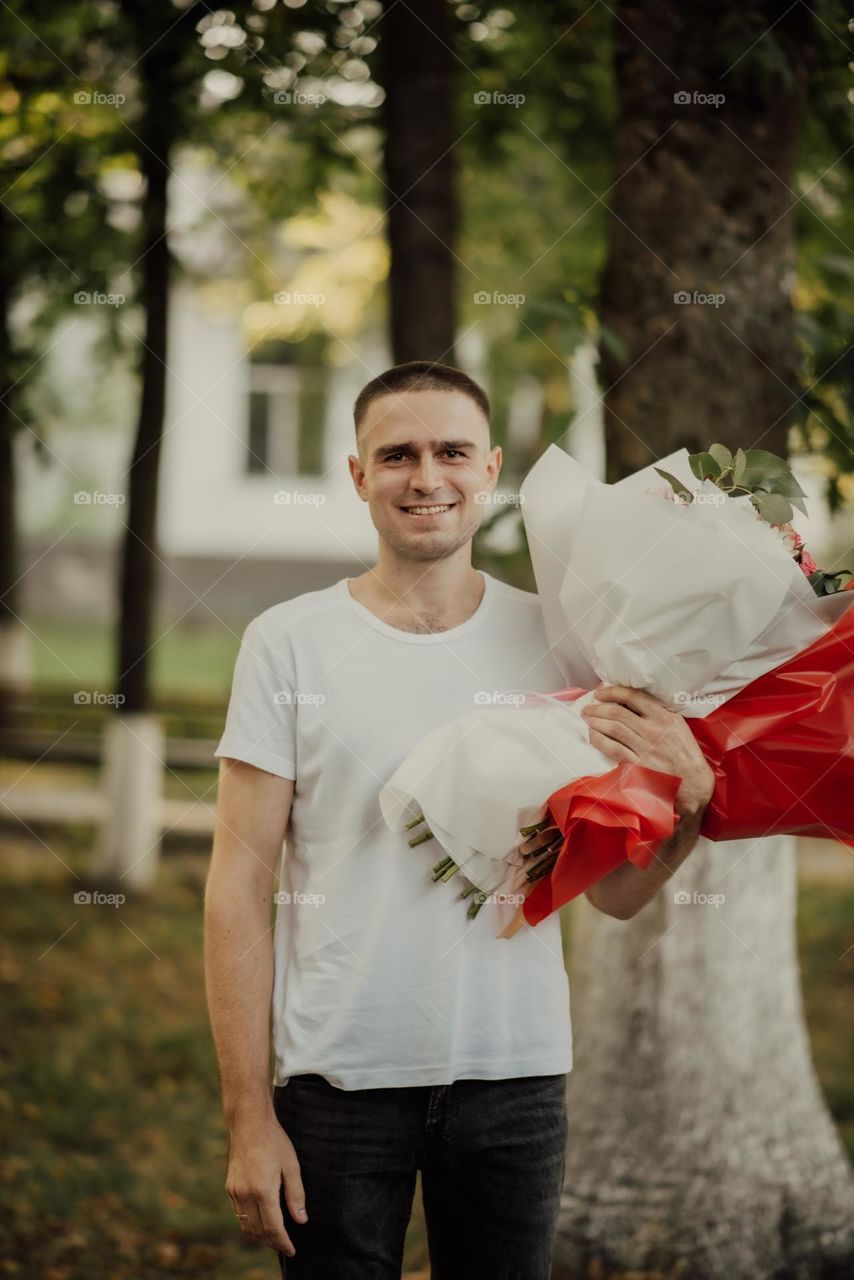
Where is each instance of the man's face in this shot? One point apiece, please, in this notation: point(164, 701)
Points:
point(425, 449)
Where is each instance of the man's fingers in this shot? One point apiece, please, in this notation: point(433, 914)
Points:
point(613, 750)
point(617, 729)
point(294, 1193)
point(272, 1226)
point(637, 699)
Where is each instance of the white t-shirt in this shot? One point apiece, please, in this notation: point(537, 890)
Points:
point(381, 979)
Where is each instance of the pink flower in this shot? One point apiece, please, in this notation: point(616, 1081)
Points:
point(808, 565)
point(791, 537)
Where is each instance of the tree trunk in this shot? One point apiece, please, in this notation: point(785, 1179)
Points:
point(420, 169)
point(702, 204)
point(137, 587)
point(14, 639)
point(130, 838)
point(700, 1143)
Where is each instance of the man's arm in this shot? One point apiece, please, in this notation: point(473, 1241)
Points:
point(629, 725)
point(253, 808)
point(626, 889)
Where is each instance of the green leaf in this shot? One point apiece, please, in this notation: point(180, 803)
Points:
point(773, 507)
point(704, 466)
point(760, 465)
point(739, 465)
point(681, 489)
point(721, 455)
point(788, 486)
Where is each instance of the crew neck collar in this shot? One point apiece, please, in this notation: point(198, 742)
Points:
point(421, 637)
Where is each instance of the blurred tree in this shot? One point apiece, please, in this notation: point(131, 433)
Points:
point(418, 74)
point(701, 1141)
point(56, 249)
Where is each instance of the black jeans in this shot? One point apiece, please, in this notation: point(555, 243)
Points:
point(492, 1160)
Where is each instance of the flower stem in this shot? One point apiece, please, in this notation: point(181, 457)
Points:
point(414, 822)
point(426, 834)
point(538, 826)
point(542, 868)
point(476, 905)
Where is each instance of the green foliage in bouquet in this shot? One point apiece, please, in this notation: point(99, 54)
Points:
point(774, 492)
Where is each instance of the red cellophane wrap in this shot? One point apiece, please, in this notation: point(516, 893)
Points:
point(782, 750)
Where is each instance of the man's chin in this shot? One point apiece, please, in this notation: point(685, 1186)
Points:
point(429, 545)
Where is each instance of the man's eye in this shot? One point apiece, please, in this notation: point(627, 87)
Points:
point(457, 451)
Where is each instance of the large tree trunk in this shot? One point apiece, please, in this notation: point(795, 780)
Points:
point(700, 1143)
point(701, 1146)
point(703, 203)
point(417, 75)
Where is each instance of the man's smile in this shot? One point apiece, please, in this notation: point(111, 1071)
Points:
point(425, 511)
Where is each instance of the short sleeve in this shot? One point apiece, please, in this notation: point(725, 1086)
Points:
point(260, 724)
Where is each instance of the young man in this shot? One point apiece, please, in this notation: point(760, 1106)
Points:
point(405, 1035)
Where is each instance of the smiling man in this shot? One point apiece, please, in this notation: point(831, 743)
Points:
point(405, 1036)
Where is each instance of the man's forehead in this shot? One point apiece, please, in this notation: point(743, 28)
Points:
point(425, 416)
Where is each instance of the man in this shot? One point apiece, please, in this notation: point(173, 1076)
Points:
point(406, 1037)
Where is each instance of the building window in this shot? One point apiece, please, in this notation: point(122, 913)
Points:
point(288, 399)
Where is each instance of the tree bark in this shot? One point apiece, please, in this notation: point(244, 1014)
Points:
point(700, 1143)
point(420, 168)
point(703, 203)
point(138, 577)
point(14, 639)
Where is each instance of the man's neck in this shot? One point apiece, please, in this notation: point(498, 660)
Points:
point(420, 596)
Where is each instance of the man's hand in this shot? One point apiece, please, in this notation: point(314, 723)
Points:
point(260, 1157)
point(631, 726)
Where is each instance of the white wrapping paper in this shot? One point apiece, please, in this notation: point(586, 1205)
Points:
point(688, 602)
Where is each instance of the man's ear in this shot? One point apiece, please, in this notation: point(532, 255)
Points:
point(357, 471)
point(496, 458)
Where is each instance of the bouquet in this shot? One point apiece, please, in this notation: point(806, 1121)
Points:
point(687, 580)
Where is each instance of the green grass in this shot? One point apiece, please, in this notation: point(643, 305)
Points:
point(114, 1165)
point(826, 943)
point(187, 660)
point(115, 1156)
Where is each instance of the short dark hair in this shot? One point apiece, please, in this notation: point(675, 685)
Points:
point(419, 375)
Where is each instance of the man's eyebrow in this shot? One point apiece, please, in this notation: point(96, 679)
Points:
point(407, 446)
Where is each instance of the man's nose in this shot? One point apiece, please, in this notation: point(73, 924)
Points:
point(426, 476)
